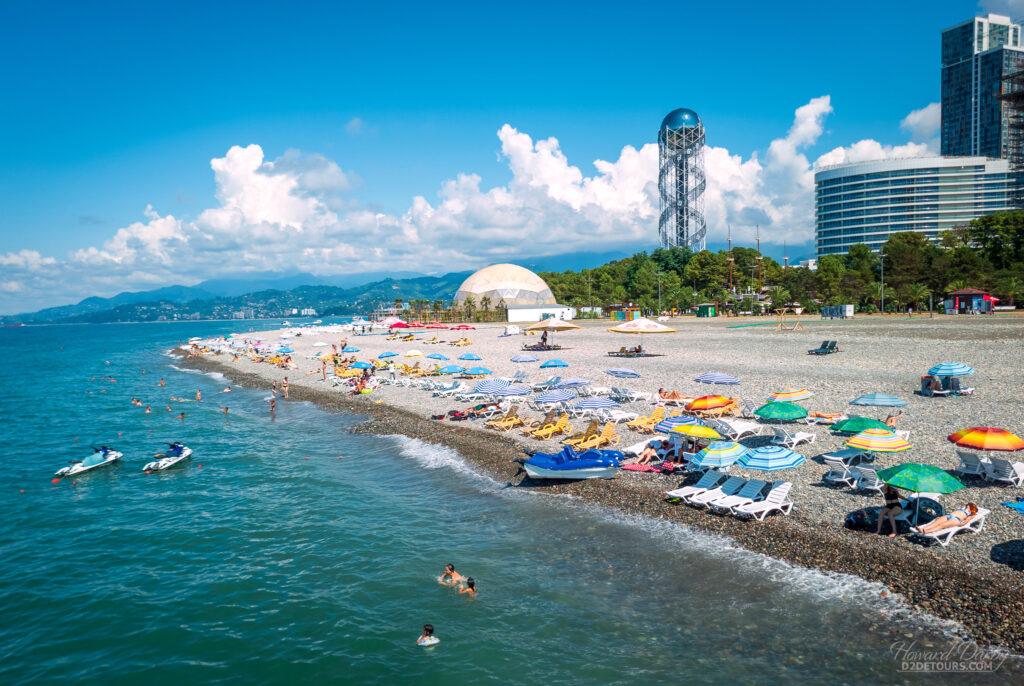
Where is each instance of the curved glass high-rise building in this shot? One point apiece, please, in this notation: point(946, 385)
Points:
point(681, 180)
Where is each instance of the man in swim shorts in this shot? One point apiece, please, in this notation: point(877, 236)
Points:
point(450, 577)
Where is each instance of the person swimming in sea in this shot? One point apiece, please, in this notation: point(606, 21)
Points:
point(450, 577)
point(180, 416)
point(470, 588)
point(428, 635)
point(199, 395)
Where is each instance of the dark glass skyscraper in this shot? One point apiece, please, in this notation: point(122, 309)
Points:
point(977, 56)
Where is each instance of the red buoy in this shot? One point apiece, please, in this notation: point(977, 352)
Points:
point(55, 481)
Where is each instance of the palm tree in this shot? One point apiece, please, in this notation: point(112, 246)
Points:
point(469, 304)
point(1010, 287)
point(437, 308)
point(398, 305)
point(779, 297)
point(917, 293)
point(957, 285)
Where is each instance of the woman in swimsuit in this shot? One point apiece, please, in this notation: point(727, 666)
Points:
point(470, 587)
point(954, 518)
point(891, 509)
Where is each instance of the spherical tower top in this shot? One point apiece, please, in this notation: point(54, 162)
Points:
point(680, 119)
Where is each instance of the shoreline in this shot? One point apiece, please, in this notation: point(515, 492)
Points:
point(984, 601)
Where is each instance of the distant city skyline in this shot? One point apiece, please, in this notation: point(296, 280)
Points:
point(147, 147)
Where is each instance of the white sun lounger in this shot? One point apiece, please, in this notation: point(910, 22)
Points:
point(971, 464)
point(710, 479)
point(730, 486)
point(752, 491)
point(944, 536)
point(1004, 470)
point(867, 479)
point(791, 440)
point(848, 455)
point(735, 429)
point(839, 473)
point(777, 499)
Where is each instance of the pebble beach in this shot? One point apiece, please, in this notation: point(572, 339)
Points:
point(975, 581)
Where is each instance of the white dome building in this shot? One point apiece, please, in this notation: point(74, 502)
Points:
point(511, 283)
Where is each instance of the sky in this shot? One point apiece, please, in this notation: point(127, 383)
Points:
point(150, 144)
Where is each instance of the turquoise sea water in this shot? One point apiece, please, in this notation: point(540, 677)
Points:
point(263, 566)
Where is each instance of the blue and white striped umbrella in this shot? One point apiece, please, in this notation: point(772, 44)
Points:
point(559, 396)
point(575, 382)
point(350, 349)
point(879, 400)
point(553, 363)
point(666, 425)
point(509, 391)
point(718, 378)
point(469, 356)
point(386, 355)
point(950, 369)
point(771, 458)
point(490, 386)
point(525, 358)
point(596, 403)
point(437, 356)
point(622, 373)
point(719, 454)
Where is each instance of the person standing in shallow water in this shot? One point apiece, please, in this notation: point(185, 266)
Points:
point(284, 387)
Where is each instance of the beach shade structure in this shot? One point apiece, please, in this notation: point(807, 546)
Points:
point(622, 373)
point(418, 325)
point(451, 369)
point(349, 349)
point(414, 353)
point(666, 425)
point(478, 371)
point(719, 454)
point(950, 369)
point(640, 327)
point(469, 356)
point(463, 327)
point(920, 478)
point(490, 386)
point(361, 365)
point(574, 382)
point(284, 350)
point(551, 325)
point(771, 458)
point(398, 325)
point(386, 355)
point(560, 395)
point(781, 410)
point(987, 438)
point(510, 391)
point(854, 425)
point(525, 358)
point(878, 441)
point(879, 400)
point(437, 356)
point(792, 394)
point(718, 378)
point(553, 363)
point(708, 402)
point(318, 344)
point(696, 431)
point(596, 403)
point(436, 325)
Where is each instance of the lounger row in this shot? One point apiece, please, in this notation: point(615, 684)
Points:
point(734, 494)
point(990, 469)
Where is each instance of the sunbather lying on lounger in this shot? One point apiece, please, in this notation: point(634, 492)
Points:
point(671, 395)
point(954, 518)
point(650, 453)
point(890, 421)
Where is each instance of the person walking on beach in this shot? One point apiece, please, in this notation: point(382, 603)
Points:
point(891, 509)
point(284, 387)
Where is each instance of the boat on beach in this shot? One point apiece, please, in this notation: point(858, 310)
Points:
point(568, 464)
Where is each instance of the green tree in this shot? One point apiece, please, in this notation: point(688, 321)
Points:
point(780, 297)
point(469, 305)
point(831, 269)
point(705, 269)
point(999, 237)
point(1010, 288)
point(917, 295)
point(905, 258)
point(862, 260)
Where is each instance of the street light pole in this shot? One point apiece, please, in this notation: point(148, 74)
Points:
point(882, 257)
point(659, 294)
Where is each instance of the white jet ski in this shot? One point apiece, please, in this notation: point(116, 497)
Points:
point(176, 454)
point(100, 458)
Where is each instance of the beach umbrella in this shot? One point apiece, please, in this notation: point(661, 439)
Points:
point(696, 431)
point(640, 327)
point(666, 425)
point(509, 391)
point(350, 349)
point(573, 382)
point(879, 400)
point(854, 425)
point(717, 378)
point(919, 478)
point(878, 441)
point(385, 355)
point(318, 344)
point(553, 363)
point(950, 369)
point(463, 327)
point(708, 402)
point(469, 356)
point(557, 396)
point(361, 365)
point(987, 438)
point(414, 353)
point(478, 371)
point(436, 325)
point(418, 325)
point(719, 454)
point(771, 458)
point(284, 350)
point(597, 403)
point(792, 394)
point(552, 324)
point(622, 373)
point(781, 410)
point(525, 358)
point(398, 325)
point(451, 369)
point(490, 385)
point(437, 356)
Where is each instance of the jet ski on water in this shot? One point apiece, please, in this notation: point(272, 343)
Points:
point(101, 457)
point(568, 464)
point(176, 454)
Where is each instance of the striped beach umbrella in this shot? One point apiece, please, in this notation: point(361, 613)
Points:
point(469, 356)
point(525, 358)
point(666, 425)
point(781, 410)
point(708, 402)
point(557, 396)
point(553, 363)
point(451, 369)
point(878, 441)
point(574, 382)
point(437, 356)
point(792, 394)
point(509, 391)
point(361, 365)
point(854, 425)
point(596, 403)
point(490, 385)
point(478, 371)
point(879, 400)
point(718, 378)
point(719, 454)
point(696, 431)
point(771, 458)
point(987, 438)
point(349, 349)
point(950, 369)
point(385, 355)
point(622, 373)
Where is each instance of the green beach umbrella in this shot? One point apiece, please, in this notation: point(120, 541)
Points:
point(781, 410)
point(854, 425)
point(920, 478)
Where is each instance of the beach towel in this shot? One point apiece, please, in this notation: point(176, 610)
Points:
point(1019, 506)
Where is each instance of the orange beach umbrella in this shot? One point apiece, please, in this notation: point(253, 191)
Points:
point(708, 402)
point(987, 438)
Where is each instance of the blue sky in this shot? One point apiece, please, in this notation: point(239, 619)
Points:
point(112, 108)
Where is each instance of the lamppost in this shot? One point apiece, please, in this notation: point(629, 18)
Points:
point(659, 294)
point(881, 256)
